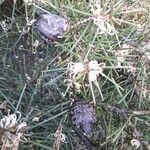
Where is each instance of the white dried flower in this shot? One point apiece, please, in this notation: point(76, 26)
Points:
point(13, 126)
point(64, 138)
point(77, 85)
point(101, 18)
point(20, 47)
point(30, 22)
point(132, 69)
point(135, 142)
point(10, 120)
point(95, 7)
point(21, 126)
point(94, 70)
point(4, 26)
point(104, 26)
point(12, 142)
point(7, 143)
point(36, 119)
point(36, 44)
point(122, 54)
point(75, 68)
point(28, 2)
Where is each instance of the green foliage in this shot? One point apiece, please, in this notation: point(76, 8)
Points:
point(34, 79)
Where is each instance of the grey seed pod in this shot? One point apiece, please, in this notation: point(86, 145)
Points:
point(83, 116)
point(51, 27)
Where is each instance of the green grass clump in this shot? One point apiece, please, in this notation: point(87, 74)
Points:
point(34, 79)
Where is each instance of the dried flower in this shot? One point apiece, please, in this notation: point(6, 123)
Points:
point(75, 68)
point(101, 18)
point(28, 2)
point(59, 137)
point(122, 54)
point(92, 68)
point(5, 26)
point(9, 121)
point(36, 44)
point(77, 85)
point(30, 22)
point(36, 119)
point(13, 127)
point(135, 142)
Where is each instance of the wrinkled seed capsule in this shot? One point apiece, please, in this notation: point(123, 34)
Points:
point(51, 27)
point(83, 116)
